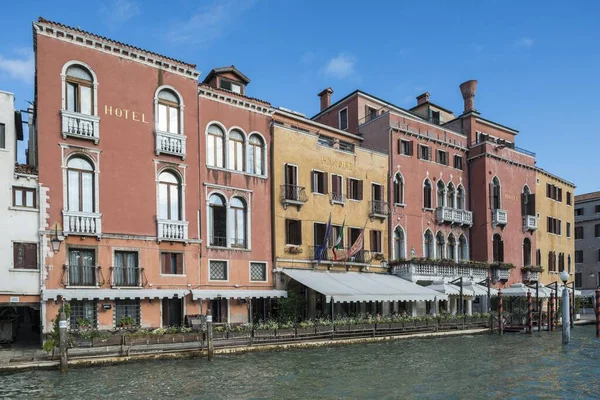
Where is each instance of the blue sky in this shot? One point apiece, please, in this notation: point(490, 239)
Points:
point(537, 63)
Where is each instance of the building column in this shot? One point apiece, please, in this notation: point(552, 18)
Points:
point(470, 307)
point(385, 308)
point(413, 305)
point(452, 305)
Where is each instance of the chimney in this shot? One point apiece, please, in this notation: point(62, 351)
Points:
point(325, 96)
point(468, 89)
point(424, 98)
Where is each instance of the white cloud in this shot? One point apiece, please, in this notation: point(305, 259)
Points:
point(525, 42)
point(210, 22)
point(120, 11)
point(20, 68)
point(341, 66)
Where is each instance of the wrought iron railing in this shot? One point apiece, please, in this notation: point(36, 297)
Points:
point(338, 198)
point(379, 208)
point(126, 276)
point(219, 241)
point(293, 193)
point(81, 275)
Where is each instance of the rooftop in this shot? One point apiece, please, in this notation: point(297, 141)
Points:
point(587, 196)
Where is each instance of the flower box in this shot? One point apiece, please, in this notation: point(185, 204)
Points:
point(324, 329)
point(364, 327)
point(288, 332)
point(305, 331)
point(397, 325)
point(264, 333)
point(343, 328)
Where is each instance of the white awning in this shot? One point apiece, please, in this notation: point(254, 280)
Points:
point(480, 290)
point(587, 293)
point(237, 294)
point(521, 290)
point(450, 289)
point(346, 287)
point(102, 294)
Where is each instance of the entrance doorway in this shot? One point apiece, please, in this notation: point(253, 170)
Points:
point(20, 326)
point(172, 312)
point(219, 310)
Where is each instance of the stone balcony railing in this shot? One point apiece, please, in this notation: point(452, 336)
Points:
point(454, 216)
point(435, 270)
point(531, 276)
point(170, 143)
point(502, 274)
point(529, 223)
point(172, 231)
point(499, 217)
point(82, 223)
point(80, 126)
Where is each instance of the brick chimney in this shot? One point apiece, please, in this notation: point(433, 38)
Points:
point(424, 98)
point(325, 96)
point(468, 90)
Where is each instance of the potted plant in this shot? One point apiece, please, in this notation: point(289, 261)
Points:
point(126, 322)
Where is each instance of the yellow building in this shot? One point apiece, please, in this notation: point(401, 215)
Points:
point(555, 237)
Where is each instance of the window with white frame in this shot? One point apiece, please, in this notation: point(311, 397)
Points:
point(168, 111)
point(80, 185)
point(169, 196)
point(218, 270)
point(441, 193)
point(256, 155)
point(238, 211)
point(236, 150)
point(428, 244)
point(463, 251)
point(460, 197)
point(215, 146)
point(398, 188)
point(440, 243)
point(258, 271)
point(217, 221)
point(399, 244)
point(450, 195)
point(84, 314)
point(2, 136)
point(79, 90)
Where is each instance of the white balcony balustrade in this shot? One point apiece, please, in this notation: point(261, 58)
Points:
point(82, 223)
point(172, 231)
point(170, 143)
point(431, 270)
point(529, 223)
point(499, 217)
point(80, 126)
point(454, 216)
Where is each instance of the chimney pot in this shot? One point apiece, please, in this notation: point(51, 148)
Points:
point(325, 96)
point(468, 90)
point(424, 98)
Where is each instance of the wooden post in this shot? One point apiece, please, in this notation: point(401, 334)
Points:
point(598, 313)
point(500, 311)
point(551, 313)
point(209, 336)
point(572, 307)
point(529, 314)
point(62, 334)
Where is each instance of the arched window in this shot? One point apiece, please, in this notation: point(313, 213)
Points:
point(428, 244)
point(451, 248)
point(256, 155)
point(460, 197)
point(398, 188)
point(526, 252)
point(217, 221)
point(236, 150)
point(427, 194)
point(238, 214)
point(441, 193)
point(80, 185)
point(440, 245)
point(214, 147)
point(450, 196)
point(525, 199)
point(168, 111)
point(498, 248)
point(169, 196)
point(495, 194)
point(399, 244)
point(79, 90)
point(463, 250)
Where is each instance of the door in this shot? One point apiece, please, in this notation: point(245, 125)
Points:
point(172, 312)
point(219, 310)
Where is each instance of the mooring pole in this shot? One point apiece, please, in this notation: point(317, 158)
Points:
point(572, 308)
point(597, 313)
point(209, 335)
point(551, 313)
point(62, 334)
point(566, 325)
point(500, 311)
point(538, 305)
point(529, 314)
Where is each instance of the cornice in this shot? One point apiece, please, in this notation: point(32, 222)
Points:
point(247, 105)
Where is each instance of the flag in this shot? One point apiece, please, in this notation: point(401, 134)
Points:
point(358, 244)
point(339, 241)
point(323, 247)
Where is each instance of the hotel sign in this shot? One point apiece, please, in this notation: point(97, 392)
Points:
point(513, 197)
point(333, 162)
point(125, 113)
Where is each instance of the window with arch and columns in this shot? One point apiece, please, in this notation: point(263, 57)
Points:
point(169, 196)
point(256, 155)
point(463, 248)
point(79, 109)
point(81, 211)
point(460, 197)
point(399, 243)
point(235, 151)
point(495, 190)
point(497, 248)
point(228, 221)
point(80, 185)
point(398, 188)
point(169, 116)
point(450, 196)
point(440, 245)
point(441, 193)
point(427, 201)
point(451, 248)
point(428, 249)
point(526, 252)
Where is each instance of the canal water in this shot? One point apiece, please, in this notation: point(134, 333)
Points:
point(462, 367)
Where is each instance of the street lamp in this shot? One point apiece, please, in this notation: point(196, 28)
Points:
point(55, 242)
point(566, 328)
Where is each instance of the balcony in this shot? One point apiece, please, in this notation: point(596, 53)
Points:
point(170, 143)
point(81, 275)
point(218, 241)
point(531, 276)
point(80, 126)
point(432, 270)
point(529, 223)
point(126, 277)
point(499, 217)
point(172, 231)
point(502, 274)
point(379, 209)
point(337, 198)
point(82, 223)
point(340, 256)
point(294, 195)
point(454, 216)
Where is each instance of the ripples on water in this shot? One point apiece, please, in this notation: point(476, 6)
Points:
point(473, 367)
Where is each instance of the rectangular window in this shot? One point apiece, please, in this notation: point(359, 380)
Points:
point(442, 157)
point(376, 241)
point(423, 152)
point(171, 263)
point(84, 314)
point(2, 136)
point(24, 197)
point(458, 162)
point(435, 117)
point(579, 232)
point(232, 87)
point(319, 182)
point(578, 212)
point(126, 271)
point(337, 187)
point(597, 208)
point(127, 311)
point(218, 270)
point(598, 254)
point(405, 147)
point(553, 225)
point(569, 201)
point(597, 230)
point(293, 232)
point(376, 192)
point(343, 119)
point(371, 113)
point(354, 188)
point(258, 272)
point(25, 256)
point(568, 229)
point(577, 279)
point(578, 256)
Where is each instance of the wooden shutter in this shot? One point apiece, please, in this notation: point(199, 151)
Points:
point(531, 204)
point(313, 174)
point(410, 148)
point(287, 232)
point(360, 190)
point(31, 256)
point(501, 251)
point(179, 264)
point(399, 146)
point(325, 177)
point(165, 259)
point(559, 194)
point(437, 156)
point(298, 233)
point(524, 204)
point(25, 256)
point(538, 257)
